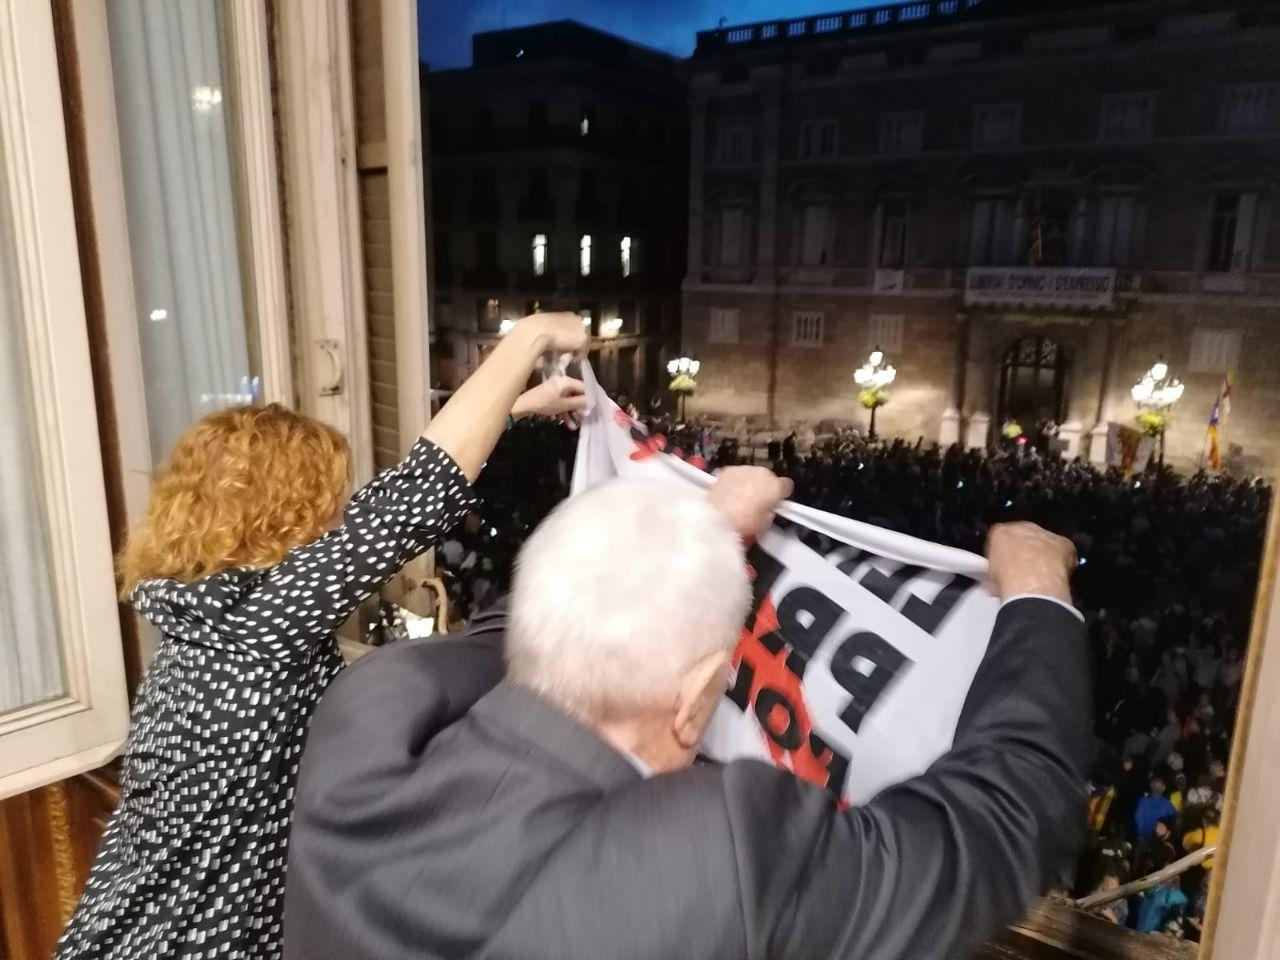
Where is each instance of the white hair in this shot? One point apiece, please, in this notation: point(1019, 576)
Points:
point(619, 592)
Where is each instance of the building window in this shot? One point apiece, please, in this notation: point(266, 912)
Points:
point(733, 145)
point(815, 231)
point(997, 125)
point(584, 255)
point(1231, 231)
point(1250, 108)
point(1214, 351)
point(893, 221)
point(806, 328)
point(992, 231)
point(1127, 117)
point(624, 255)
point(1118, 229)
point(586, 120)
point(902, 133)
point(732, 224)
point(885, 332)
point(487, 313)
point(539, 254)
point(817, 139)
point(723, 327)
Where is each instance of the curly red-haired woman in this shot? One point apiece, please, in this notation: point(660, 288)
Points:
point(234, 565)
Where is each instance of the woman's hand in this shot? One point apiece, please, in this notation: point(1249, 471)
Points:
point(560, 397)
point(557, 332)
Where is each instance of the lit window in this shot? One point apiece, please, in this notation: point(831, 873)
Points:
point(584, 255)
point(625, 249)
point(539, 254)
point(491, 309)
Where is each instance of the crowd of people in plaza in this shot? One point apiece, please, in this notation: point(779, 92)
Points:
point(1168, 569)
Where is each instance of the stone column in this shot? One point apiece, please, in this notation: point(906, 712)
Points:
point(979, 382)
point(949, 432)
point(1110, 375)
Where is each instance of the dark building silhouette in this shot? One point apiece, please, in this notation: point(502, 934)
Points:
point(559, 182)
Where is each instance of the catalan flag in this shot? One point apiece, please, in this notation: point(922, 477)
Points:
point(1218, 423)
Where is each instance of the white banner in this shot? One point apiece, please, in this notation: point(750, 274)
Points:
point(861, 643)
point(1091, 287)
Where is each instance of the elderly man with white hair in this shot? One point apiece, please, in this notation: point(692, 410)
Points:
point(454, 805)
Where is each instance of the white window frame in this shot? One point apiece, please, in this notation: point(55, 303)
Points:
point(1215, 350)
point(87, 726)
point(626, 248)
point(808, 328)
point(259, 226)
point(722, 325)
point(886, 331)
point(584, 255)
point(1113, 116)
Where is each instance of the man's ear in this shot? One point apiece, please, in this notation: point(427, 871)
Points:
point(700, 692)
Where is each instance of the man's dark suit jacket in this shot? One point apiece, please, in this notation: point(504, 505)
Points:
point(444, 814)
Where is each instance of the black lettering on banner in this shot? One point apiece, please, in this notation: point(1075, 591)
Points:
point(789, 737)
point(767, 569)
point(865, 688)
point(930, 616)
point(740, 692)
point(821, 613)
point(850, 563)
point(837, 766)
point(886, 587)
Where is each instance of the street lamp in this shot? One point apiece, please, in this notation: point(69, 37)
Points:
point(874, 378)
point(683, 370)
point(1155, 393)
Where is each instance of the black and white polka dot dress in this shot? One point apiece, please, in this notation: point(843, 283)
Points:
point(192, 863)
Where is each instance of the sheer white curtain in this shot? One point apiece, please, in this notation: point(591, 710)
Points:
point(30, 652)
point(172, 103)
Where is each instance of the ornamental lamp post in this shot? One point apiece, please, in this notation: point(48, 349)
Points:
point(1156, 393)
point(874, 377)
point(683, 370)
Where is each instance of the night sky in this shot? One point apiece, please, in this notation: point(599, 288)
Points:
point(445, 26)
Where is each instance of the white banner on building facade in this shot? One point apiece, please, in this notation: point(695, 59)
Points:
point(1088, 287)
point(861, 644)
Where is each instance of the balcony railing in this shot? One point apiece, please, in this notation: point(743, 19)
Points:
point(852, 22)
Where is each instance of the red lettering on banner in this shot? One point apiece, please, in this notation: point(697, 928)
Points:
point(783, 715)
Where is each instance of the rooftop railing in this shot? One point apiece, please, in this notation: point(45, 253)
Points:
point(866, 20)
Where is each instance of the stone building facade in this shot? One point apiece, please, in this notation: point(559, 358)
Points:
point(1024, 205)
point(560, 162)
